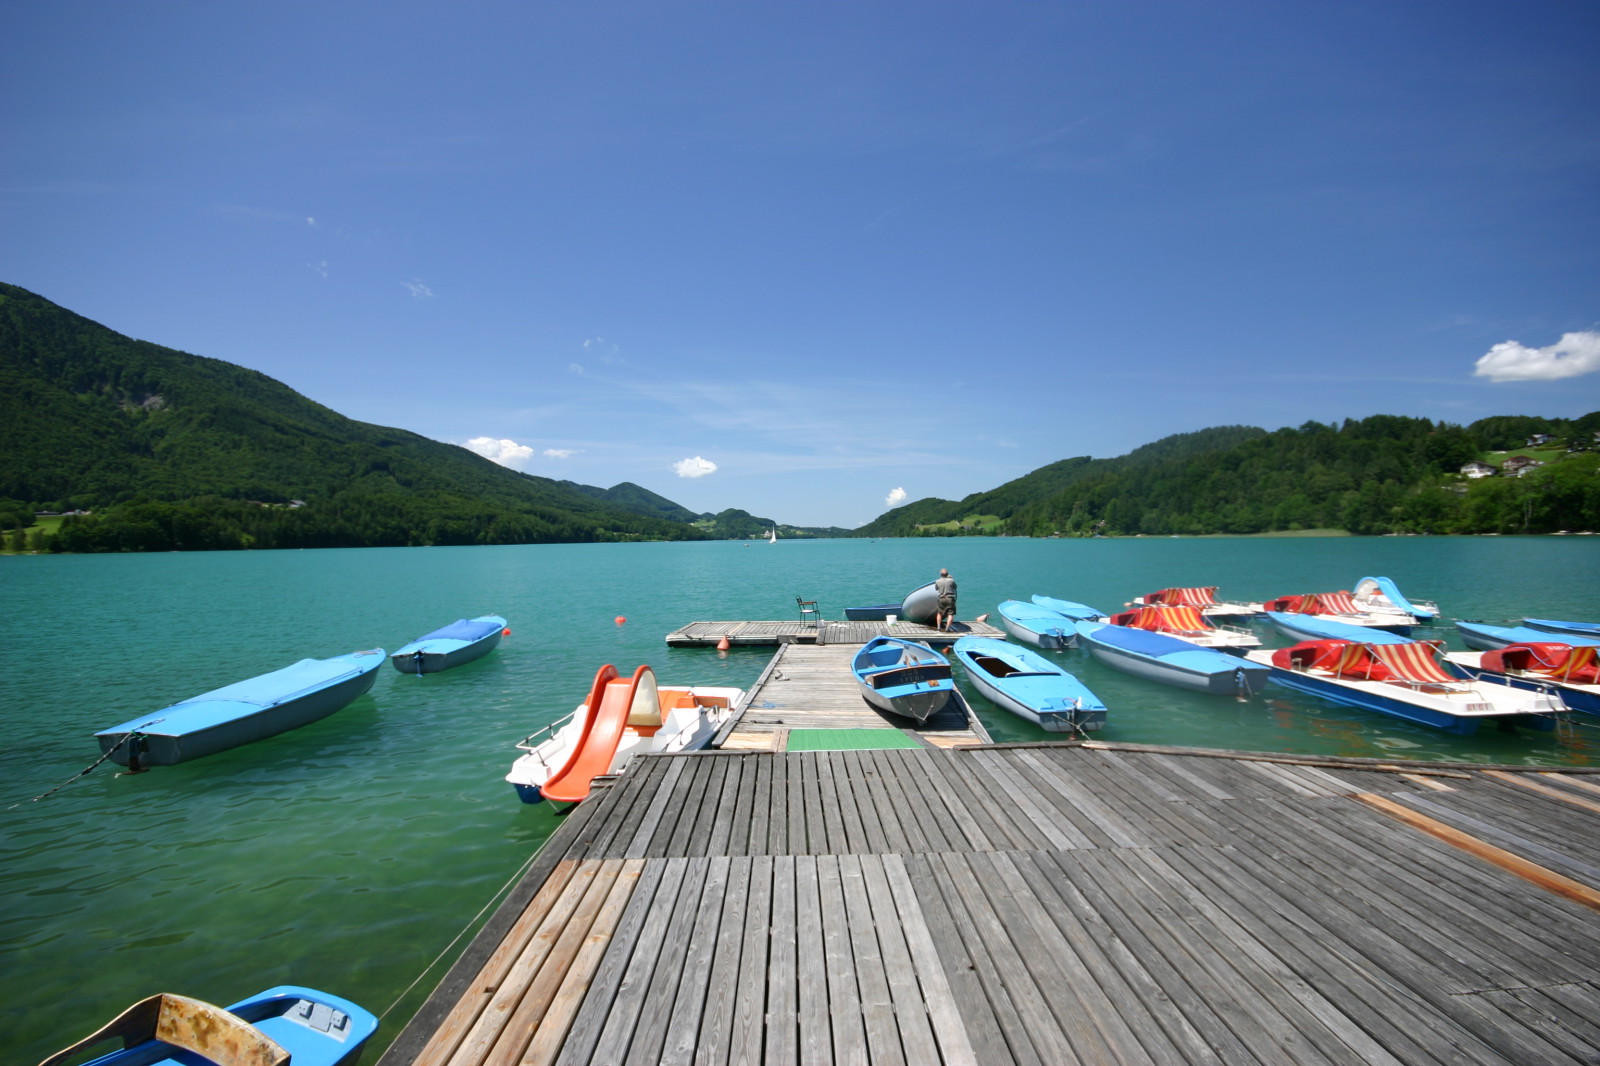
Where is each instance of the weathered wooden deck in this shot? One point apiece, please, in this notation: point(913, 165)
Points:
point(809, 687)
point(769, 634)
point(1047, 904)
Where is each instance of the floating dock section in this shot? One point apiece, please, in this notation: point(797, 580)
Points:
point(1059, 903)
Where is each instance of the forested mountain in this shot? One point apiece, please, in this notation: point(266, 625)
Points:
point(1383, 474)
point(176, 451)
point(630, 497)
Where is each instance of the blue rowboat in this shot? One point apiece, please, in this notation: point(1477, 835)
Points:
point(903, 677)
point(1311, 627)
point(1039, 626)
point(284, 1024)
point(1570, 629)
point(245, 711)
point(459, 642)
point(1029, 685)
point(1172, 661)
point(1404, 680)
point(1078, 612)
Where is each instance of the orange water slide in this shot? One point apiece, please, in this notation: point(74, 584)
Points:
point(610, 700)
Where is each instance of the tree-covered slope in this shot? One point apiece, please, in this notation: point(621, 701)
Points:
point(172, 450)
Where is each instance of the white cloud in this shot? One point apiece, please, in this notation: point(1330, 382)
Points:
point(575, 368)
point(895, 498)
point(320, 266)
point(561, 453)
point(507, 453)
point(311, 222)
point(696, 467)
point(419, 291)
point(1572, 355)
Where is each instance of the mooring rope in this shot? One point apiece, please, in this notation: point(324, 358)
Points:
point(86, 770)
point(470, 923)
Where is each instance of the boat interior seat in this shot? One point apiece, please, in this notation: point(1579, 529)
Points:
point(996, 667)
point(191, 1025)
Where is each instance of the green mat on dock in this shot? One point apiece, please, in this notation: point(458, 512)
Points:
point(848, 739)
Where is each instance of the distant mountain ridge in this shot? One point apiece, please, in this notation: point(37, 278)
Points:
point(172, 450)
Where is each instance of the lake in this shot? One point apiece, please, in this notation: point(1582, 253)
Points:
point(348, 855)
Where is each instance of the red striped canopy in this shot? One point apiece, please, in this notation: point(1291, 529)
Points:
point(1412, 662)
point(1561, 662)
point(1201, 596)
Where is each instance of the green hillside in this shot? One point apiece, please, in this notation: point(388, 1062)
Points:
point(1383, 474)
point(168, 450)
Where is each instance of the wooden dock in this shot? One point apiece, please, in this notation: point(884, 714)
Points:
point(1052, 904)
point(770, 634)
point(808, 688)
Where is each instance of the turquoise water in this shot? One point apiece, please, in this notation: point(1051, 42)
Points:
point(348, 854)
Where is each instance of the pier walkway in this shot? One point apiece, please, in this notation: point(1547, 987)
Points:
point(769, 634)
point(1052, 904)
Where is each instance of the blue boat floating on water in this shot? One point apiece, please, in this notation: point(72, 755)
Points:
point(459, 642)
point(1568, 670)
point(1029, 685)
point(1403, 680)
point(245, 711)
point(1172, 661)
point(1078, 612)
point(1040, 626)
point(1484, 637)
point(1571, 629)
point(287, 1024)
point(1311, 627)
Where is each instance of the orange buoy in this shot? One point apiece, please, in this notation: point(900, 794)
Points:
point(506, 632)
point(620, 619)
point(723, 645)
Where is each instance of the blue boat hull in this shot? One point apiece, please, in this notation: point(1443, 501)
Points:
point(433, 653)
point(903, 677)
point(1373, 701)
point(1298, 627)
point(1037, 690)
point(1482, 637)
point(245, 724)
point(1192, 667)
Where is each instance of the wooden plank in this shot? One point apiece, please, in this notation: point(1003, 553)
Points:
point(450, 1034)
point(857, 838)
point(655, 1014)
point(872, 981)
point(689, 1009)
point(697, 807)
point(1165, 1034)
point(716, 1025)
point(543, 974)
point(585, 1031)
point(810, 963)
point(984, 1021)
point(637, 845)
point(848, 1039)
point(782, 1019)
point(1532, 872)
point(943, 1014)
point(638, 984)
point(1086, 805)
point(1042, 820)
point(1034, 1022)
point(750, 1002)
point(728, 809)
point(906, 1001)
point(553, 1027)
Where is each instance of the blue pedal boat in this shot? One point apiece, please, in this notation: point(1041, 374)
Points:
point(286, 1025)
point(1029, 685)
point(459, 642)
point(1042, 627)
point(1480, 636)
point(903, 677)
point(1310, 627)
point(1172, 661)
point(245, 711)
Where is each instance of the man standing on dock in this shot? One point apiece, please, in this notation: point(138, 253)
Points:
point(946, 588)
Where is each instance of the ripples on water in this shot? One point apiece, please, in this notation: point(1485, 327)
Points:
point(347, 854)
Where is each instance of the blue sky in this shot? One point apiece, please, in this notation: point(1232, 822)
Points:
point(813, 259)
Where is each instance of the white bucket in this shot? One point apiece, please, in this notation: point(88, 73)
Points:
point(891, 618)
